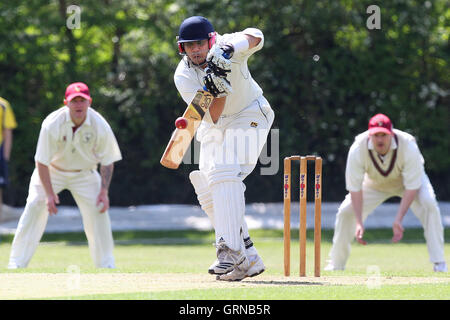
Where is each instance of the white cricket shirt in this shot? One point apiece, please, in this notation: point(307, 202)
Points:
point(92, 143)
point(401, 168)
point(189, 78)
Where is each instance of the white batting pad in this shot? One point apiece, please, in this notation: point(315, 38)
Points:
point(204, 196)
point(229, 208)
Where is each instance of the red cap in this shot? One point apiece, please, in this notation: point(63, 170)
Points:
point(380, 123)
point(77, 89)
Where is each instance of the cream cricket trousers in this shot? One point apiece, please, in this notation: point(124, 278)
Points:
point(229, 152)
point(84, 187)
point(424, 207)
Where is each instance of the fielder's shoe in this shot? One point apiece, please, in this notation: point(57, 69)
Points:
point(12, 265)
point(331, 267)
point(440, 267)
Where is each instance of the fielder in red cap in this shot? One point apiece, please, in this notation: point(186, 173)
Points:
point(73, 141)
point(382, 163)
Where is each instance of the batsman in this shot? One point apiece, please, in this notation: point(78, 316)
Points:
point(231, 135)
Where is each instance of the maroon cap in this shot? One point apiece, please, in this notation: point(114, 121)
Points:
point(380, 123)
point(77, 89)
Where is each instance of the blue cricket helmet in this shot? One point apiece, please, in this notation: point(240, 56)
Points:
point(193, 29)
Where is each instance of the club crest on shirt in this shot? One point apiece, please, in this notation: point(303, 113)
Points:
point(87, 136)
point(253, 124)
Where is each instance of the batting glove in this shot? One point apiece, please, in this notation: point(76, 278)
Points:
point(218, 86)
point(218, 59)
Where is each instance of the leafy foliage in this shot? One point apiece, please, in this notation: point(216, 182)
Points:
point(126, 52)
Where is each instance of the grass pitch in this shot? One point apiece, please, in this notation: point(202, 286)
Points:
point(172, 265)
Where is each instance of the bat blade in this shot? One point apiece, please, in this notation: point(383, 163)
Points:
point(181, 138)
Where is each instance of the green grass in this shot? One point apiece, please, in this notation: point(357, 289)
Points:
point(388, 292)
point(191, 252)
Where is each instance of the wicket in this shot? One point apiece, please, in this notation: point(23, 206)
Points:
point(303, 200)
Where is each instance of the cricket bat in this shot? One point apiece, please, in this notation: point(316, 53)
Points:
point(181, 138)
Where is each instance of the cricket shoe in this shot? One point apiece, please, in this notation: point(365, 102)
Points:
point(331, 267)
point(254, 268)
point(220, 267)
point(440, 267)
point(240, 267)
point(12, 265)
point(225, 261)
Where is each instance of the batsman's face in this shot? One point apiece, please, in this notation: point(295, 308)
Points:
point(381, 142)
point(197, 51)
point(78, 107)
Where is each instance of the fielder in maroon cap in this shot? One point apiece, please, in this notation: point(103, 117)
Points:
point(382, 163)
point(73, 142)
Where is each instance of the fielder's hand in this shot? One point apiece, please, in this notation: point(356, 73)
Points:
point(102, 201)
point(359, 234)
point(52, 201)
point(218, 59)
point(219, 87)
point(398, 231)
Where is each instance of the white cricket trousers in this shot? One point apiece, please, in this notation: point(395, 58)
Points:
point(84, 187)
point(229, 152)
point(424, 207)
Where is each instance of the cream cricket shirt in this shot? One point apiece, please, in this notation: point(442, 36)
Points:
point(92, 143)
point(189, 78)
point(401, 168)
